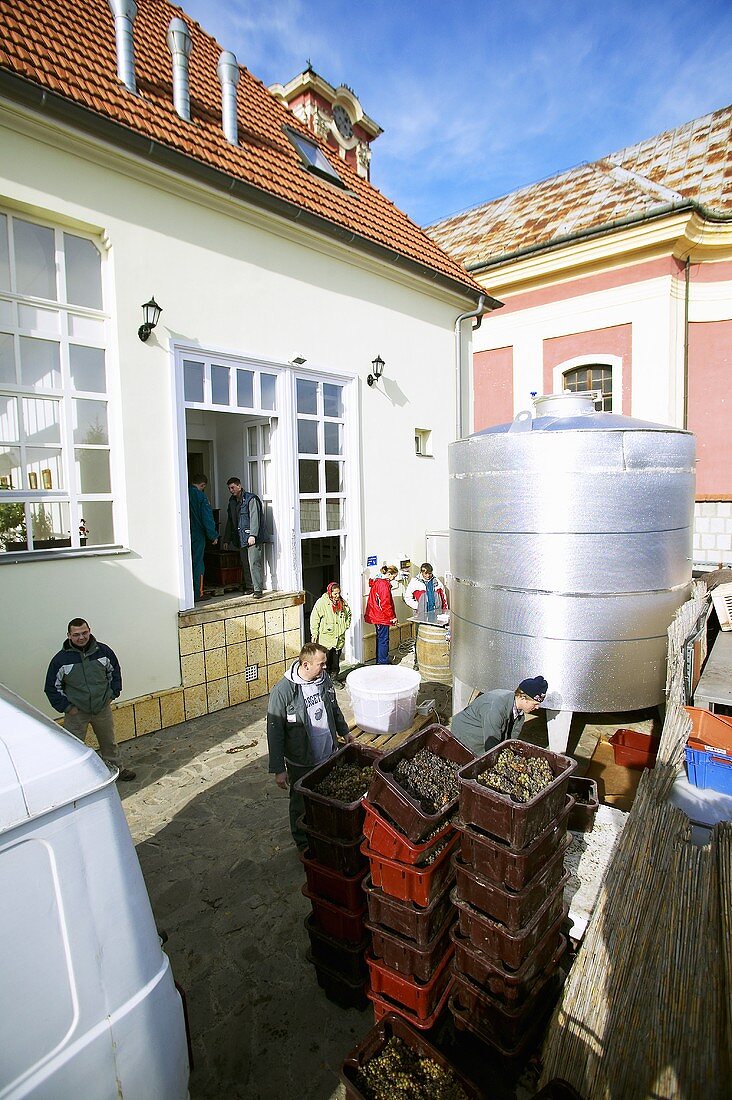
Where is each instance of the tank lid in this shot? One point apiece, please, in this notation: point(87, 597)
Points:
point(571, 412)
point(41, 765)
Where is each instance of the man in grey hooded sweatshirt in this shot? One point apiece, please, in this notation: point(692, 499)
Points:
point(303, 723)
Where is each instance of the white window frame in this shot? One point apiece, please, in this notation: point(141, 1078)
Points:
point(64, 394)
point(597, 359)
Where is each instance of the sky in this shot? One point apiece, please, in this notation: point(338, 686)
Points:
point(477, 99)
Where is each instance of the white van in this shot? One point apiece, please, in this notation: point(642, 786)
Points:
point(88, 1007)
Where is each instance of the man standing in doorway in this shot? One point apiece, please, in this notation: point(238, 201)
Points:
point(303, 723)
point(202, 527)
point(244, 529)
point(81, 681)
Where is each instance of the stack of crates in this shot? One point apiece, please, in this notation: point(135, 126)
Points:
point(408, 889)
point(335, 869)
point(509, 895)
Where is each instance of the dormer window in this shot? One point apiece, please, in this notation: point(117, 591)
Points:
point(313, 158)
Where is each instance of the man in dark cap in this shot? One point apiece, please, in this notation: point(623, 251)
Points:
point(498, 715)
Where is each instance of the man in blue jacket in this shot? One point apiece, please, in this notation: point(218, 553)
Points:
point(81, 681)
point(202, 527)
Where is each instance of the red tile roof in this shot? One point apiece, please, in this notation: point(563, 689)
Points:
point(68, 47)
point(692, 162)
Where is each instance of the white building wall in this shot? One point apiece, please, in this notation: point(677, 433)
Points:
point(255, 288)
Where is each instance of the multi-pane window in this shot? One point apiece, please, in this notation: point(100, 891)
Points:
point(320, 453)
point(594, 377)
point(259, 465)
point(55, 472)
point(209, 384)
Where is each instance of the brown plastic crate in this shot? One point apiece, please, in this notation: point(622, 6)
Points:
point(419, 925)
point(586, 803)
point(518, 823)
point(374, 1042)
point(499, 1022)
point(405, 956)
point(406, 813)
point(328, 816)
point(343, 991)
point(515, 909)
point(510, 867)
point(346, 959)
point(420, 998)
point(345, 857)
point(509, 987)
point(509, 948)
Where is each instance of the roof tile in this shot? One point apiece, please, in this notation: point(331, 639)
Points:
point(68, 47)
point(692, 162)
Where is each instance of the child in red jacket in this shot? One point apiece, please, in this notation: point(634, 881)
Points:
point(380, 610)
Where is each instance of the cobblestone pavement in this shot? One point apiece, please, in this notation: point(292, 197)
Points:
point(212, 835)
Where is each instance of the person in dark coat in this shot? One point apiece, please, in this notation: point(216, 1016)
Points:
point(202, 527)
point(244, 529)
point(498, 715)
point(304, 722)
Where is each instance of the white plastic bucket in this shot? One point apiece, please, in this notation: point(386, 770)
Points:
point(384, 697)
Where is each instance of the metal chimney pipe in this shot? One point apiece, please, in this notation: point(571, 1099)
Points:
point(124, 12)
point(228, 73)
point(180, 45)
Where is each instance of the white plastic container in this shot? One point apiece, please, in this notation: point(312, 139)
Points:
point(384, 697)
point(89, 1006)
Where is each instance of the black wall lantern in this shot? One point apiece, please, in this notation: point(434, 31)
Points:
point(151, 312)
point(378, 369)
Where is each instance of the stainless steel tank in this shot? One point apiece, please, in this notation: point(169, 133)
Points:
point(570, 549)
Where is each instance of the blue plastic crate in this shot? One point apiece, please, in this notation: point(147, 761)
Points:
point(708, 770)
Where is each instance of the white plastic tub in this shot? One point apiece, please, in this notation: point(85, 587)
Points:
point(384, 697)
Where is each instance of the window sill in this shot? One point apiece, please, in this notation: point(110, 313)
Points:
point(22, 556)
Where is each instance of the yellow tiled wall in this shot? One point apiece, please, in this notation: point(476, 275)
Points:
point(216, 646)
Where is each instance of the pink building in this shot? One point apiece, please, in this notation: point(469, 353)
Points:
point(617, 277)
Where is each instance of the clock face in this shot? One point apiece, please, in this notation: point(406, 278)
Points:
point(342, 121)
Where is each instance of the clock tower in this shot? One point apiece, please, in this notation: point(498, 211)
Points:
point(333, 114)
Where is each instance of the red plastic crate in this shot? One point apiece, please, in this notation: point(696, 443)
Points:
point(386, 840)
point(345, 890)
point(420, 885)
point(329, 816)
point(633, 749)
point(421, 998)
point(335, 921)
point(714, 731)
point(383, 1005)
point(343, 856)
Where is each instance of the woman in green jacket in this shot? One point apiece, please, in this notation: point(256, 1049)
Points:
point(329, 621)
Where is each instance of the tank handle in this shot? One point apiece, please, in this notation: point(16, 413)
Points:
point(521, 421)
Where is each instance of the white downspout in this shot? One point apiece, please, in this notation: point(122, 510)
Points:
point(477, 312)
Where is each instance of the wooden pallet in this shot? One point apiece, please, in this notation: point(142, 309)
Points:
point(384, 742)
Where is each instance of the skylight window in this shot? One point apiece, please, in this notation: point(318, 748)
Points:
point(312, 157)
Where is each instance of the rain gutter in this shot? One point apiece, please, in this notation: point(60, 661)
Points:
point(51, 105)
point(675, 207)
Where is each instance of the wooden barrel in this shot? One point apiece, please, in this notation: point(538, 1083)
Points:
point(433, 653)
